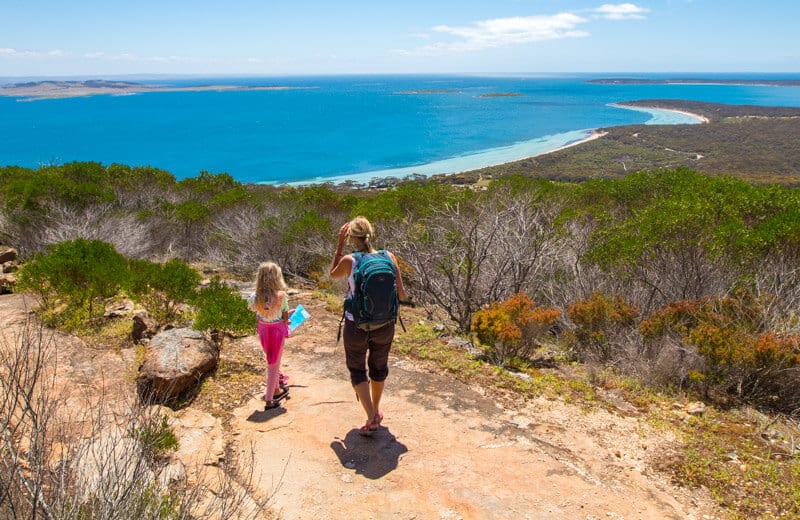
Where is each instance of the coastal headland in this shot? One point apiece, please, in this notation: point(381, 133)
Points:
point(751, 142)
point(35, 90)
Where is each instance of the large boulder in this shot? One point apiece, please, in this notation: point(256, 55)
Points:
point(175, 360)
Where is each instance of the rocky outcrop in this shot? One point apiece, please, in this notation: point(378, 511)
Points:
point(200, 438)
point(109, 461)
point(175, 361)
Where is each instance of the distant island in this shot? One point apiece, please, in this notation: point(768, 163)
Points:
point(697, 81)
point(34, 90)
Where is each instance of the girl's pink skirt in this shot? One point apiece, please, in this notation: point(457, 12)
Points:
point(272, 335)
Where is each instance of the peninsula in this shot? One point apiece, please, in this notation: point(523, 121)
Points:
point(35, 90)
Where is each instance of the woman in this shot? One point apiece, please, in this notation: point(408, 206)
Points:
point(366, 352)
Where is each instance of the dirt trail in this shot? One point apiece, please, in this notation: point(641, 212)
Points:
point(445, 450)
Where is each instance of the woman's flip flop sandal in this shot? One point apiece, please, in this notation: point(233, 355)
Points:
point(372, 426)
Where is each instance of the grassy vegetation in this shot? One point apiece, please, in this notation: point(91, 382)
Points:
point(747, 465)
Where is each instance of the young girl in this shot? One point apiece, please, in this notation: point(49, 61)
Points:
point(271, 306)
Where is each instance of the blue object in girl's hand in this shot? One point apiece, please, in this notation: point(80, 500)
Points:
point(299, 315)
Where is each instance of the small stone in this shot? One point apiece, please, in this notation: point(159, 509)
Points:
point(696, 408)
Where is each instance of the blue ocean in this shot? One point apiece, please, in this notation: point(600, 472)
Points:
point(334, 128)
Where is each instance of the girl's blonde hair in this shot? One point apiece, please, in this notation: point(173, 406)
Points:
point(269, 281)
point(361, 228)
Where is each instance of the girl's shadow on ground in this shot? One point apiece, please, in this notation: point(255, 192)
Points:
point(260, 416)
point(373, 456)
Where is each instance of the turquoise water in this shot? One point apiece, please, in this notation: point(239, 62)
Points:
point(351, 127)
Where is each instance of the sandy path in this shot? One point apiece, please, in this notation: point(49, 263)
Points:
point(445, 451)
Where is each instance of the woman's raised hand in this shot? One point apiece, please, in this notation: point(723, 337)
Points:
point(343, 231)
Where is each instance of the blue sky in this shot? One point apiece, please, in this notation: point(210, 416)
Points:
point(280, 37)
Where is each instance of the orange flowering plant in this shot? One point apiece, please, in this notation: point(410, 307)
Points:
point(741, 352)
point(599, 321)
point(512, 327)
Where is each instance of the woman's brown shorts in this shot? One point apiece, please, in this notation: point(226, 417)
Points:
point(367, 350)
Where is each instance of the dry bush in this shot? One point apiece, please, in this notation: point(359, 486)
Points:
point(242, 239)
point(454, 261)
point(469, 254)
point(742, 355)
point(104, 222)
point(779, 276)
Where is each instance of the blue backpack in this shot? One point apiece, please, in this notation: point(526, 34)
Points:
point(374, 301)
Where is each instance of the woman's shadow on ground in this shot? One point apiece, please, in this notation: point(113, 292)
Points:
point(373, 456)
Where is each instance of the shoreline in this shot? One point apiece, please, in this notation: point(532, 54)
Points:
point(366, 178)
point(701, 119)
point(593, 134)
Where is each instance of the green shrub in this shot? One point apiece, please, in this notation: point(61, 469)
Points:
point(157, 437)
point(162, 288)
point(78, 274)
point(222, 309)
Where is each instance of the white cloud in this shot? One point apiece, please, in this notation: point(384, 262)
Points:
point(621, 11)
point(503, 32)
point(7, 51)
point(133, 58)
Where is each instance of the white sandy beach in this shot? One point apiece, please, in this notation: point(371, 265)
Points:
point(666, 116)
point(467, 162)
point(507, 154)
